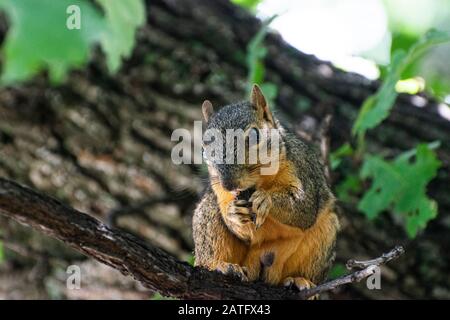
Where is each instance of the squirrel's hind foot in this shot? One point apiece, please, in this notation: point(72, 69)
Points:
point(233, 270)
point(300, 284)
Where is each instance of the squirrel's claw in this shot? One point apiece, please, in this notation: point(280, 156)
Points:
point(261, 205)
point(239, 212)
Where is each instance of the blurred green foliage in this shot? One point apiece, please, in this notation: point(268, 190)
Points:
point(377, 107)
point(38, 38)
point(338, 270)
point(336, 156)
point(248, 4)
point(2, 254)
point(256, 52)
point(350, 186)
point(191, 260)
point(158, 296)
point(408, 21)
point(400, 185)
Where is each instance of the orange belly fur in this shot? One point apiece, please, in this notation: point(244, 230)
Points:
point(297, 252)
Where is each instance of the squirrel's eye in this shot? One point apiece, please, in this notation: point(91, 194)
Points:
point(253, 137)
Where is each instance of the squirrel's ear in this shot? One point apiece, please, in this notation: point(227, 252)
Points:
point(207, 109)
point(259, 103)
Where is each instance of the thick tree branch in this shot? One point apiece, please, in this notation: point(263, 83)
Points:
point(151, 266)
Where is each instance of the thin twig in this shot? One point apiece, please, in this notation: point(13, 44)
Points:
point(386, 257)
point(368, 268)
point(333, 284)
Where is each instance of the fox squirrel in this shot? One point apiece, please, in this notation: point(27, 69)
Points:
point(278, 228)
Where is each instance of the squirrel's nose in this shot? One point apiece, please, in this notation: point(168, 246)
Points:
point(229, 185)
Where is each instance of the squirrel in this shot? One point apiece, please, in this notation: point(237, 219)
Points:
point(279, 228)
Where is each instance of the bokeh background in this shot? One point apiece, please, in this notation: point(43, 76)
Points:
point(86, 116)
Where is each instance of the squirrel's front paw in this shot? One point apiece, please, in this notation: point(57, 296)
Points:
point(239, 212)
point(261, 205)
point(239, 219)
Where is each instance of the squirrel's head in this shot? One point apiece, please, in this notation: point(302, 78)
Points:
point(241, 142)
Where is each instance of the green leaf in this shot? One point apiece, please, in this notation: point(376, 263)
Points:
point(384, 186)
point(123, 17)
point(433, 67)
point(377, 107)
point(431, 38)
point(38, 38)
point(400, 185)
point(407, 155)
point(426, 211)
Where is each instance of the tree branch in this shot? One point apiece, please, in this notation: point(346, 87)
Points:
point(368, 268)
point(386, 257)
point(149, 265)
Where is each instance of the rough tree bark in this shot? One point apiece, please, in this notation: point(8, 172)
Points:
point(102, 142)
